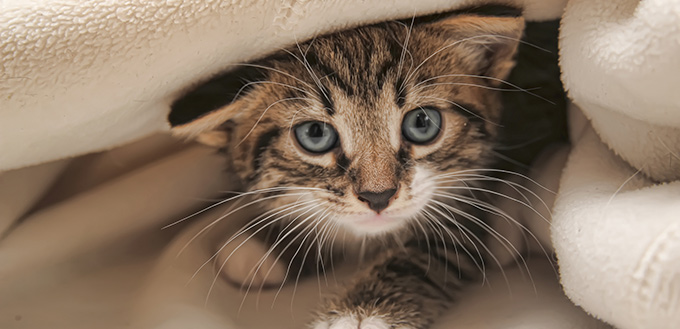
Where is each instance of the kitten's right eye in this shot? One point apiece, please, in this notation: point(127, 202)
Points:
point(316, 136)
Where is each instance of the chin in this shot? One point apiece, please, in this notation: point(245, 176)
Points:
point(373, 224)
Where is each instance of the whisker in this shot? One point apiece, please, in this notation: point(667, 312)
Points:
point(427, 242)
point(325, 235)
point(485, 226)
point(219, 219)
point(275, 70)
point(276, 83)
point(486, 207)
point(290, 263)
point(265, 112)
point(439, 232)
point(510, 248)
point(457, 242)
point(455, 43)
point(280, 239)
point(441, 228)
point(504, 157)
point(219, 270)
point(518, 188)
point(308, 68)
point(469, 84)
point(507, 83)
point(454, 239)
point(404, 51)
point(304, 258)
point(476, 238)
point(240, 195)
point(671, 152)
point(499, 171)
point(479, 189)
point(463, 108)
point(259, 220)
point(622, 186)
point(484, 178)
point(331, 250)
point(292, 120)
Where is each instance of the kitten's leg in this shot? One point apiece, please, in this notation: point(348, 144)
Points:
point(264, 260)
point(244, 262)
point(405, 290)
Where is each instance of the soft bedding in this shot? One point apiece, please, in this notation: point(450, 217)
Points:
point(81, 240)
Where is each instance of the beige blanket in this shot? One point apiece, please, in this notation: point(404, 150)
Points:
point(78, 77)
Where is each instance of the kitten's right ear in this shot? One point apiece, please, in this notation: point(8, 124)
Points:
point(207, 112)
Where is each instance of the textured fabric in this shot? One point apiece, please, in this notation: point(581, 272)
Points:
point(616, 222)
point(620, 65)
point(72, 68)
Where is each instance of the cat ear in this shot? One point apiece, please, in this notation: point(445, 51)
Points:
point(490, 32)
point(208, 112)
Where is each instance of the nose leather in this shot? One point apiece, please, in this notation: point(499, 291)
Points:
point(377, 201)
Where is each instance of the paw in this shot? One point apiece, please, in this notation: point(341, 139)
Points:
point(245, 263)
point(355, 322)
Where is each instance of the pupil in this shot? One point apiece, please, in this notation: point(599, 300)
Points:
point(422, 121)
point(315, 131)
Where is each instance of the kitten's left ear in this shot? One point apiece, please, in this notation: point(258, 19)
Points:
point(491, 32)
point(208, 112)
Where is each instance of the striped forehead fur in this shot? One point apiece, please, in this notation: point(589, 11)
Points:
point(365, 75)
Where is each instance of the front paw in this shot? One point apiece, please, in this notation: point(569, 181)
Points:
point(356, 321)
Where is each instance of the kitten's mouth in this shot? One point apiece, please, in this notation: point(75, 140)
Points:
point(375, 219)
point(376, 223)
point(388, 220)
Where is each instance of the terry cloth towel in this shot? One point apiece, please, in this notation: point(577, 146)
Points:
point(616, 222)
point(83, 76)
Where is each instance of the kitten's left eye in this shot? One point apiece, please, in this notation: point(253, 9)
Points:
point(422, 125)
point(316, 136)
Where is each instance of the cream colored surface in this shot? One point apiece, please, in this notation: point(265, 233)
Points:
point(83, 76)
point(99, 258)
point(620, 64)
point(616, 221)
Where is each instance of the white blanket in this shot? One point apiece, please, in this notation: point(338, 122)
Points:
point(74, 70)
point(616, 222)
point(80, 76)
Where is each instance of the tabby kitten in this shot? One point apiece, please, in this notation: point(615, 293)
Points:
point(376, 135)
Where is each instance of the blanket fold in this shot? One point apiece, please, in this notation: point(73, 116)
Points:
point(616, 236)
point(84, 76)
point(616, 217)
point(620, 65)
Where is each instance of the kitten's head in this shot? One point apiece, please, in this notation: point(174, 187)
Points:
point(362, 128)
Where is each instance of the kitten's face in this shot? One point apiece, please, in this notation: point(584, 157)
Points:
point(366, 126)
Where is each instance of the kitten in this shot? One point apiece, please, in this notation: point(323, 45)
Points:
point(380, 134)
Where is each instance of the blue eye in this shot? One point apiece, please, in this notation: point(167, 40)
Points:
point(422, 125)
point(316, 136)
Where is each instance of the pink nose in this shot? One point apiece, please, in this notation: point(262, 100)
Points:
point(377, 201)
